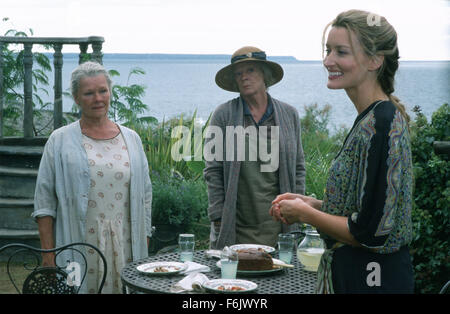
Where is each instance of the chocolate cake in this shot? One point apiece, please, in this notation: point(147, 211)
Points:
point(251, 259)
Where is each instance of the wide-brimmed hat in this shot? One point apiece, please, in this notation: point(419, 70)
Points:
point(225, 77)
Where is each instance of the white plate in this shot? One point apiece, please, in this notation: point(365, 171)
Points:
point(266, 248)
point(258, 272)
point(161, 268)
point(226, 285)
point(213, 253)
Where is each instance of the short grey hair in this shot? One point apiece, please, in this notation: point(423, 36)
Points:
point(87, 69)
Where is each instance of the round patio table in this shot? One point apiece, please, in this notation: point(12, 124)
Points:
point(286, 281)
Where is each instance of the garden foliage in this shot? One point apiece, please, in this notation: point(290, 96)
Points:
point(13, 77)
point(431, 213)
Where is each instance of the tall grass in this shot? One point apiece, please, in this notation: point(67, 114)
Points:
point(159, 140)
point(318, 160)
point(319, 147)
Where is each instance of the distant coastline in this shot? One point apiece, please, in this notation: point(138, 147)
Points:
point(176, 57)
point(204, 58)
point(178, 83)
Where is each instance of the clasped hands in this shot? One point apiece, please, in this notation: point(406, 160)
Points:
point(290, 208)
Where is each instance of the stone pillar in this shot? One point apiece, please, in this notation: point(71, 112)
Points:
point(57, 109)
point(83, 52)
point(97, 55)
point(28, 91)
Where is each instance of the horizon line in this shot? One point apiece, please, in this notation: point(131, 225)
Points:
point(226, 56)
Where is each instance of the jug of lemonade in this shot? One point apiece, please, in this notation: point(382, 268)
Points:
point(310, 250)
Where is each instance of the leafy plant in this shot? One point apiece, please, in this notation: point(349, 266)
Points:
point(431, 214)
point(178, 206)
point(126, 101)
point(177, 201)
point(13, 77)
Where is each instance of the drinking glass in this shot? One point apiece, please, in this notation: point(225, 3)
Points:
point(228, 263)
point(186, 242)
point(286, 242)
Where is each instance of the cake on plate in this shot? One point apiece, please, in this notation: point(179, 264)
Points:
point(254, 259)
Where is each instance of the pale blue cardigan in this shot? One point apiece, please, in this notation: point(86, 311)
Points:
point(63, 181)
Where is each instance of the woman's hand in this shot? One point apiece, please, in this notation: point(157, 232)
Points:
point(286, 196)
point(290, 208)
point(275, 212)
point(287, 210)
point(294, 210)
point(275, 209)
point(311, 201)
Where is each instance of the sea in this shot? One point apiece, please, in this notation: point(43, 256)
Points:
point(178, 84)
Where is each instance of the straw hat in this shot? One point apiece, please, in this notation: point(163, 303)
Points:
point(225, 77)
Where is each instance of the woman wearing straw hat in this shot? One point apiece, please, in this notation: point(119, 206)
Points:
point(240, 190)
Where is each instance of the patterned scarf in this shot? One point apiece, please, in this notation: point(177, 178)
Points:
point(324, 278)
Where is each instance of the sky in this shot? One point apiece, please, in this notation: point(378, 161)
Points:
point(279, 27)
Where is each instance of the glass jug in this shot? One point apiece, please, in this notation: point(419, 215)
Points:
point(310, 250)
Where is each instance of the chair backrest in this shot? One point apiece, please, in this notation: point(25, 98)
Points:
point(61, 279)
point(445, 289)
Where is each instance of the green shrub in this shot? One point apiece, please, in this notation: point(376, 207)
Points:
point(177, 201)
point(431, 215)
point(178, 206)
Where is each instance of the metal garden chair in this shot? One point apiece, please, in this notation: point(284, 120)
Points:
point(61, 279)
point(444, 289)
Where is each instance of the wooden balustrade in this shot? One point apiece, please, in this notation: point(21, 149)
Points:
point(57, 43)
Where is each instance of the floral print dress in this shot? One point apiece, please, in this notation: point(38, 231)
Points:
point(108, 213)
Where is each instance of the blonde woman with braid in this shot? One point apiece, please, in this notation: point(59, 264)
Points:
point(365, 216)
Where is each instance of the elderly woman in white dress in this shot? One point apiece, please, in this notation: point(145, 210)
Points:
point(93, 184)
